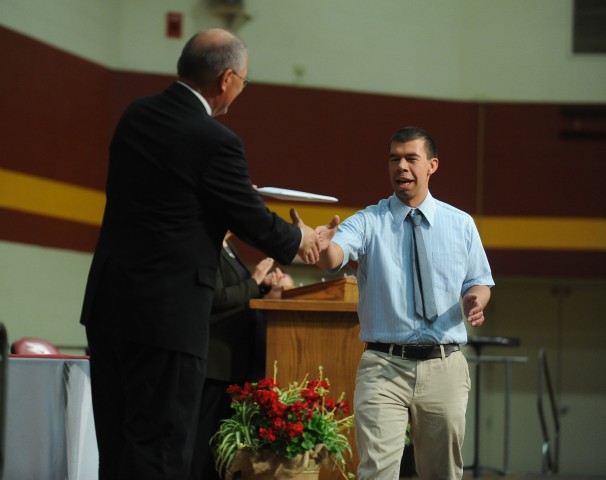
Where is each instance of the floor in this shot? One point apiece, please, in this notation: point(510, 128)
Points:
point(468, 475)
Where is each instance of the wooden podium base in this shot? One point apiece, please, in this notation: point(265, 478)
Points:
point(303, 334)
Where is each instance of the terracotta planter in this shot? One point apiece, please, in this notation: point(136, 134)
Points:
point(254, 466)
point(303, 475)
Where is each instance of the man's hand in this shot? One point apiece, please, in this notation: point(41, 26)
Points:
point(326, 232)
point(277, 280)
point(262, 269)
point(473, 309)
point(474, 301)
point(309, 251)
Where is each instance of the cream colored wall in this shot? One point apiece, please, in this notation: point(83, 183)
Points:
point(86, 28)
point(451, 49)
point(41, 292)
point(565, 316)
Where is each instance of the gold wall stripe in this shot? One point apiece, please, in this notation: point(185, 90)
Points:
point(498, 232)
point(50, 198)
point(42, 196)
point(542, 233)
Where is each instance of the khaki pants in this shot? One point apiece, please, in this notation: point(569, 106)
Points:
point(431, 394)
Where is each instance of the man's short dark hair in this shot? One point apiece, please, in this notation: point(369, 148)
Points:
point(408, 134)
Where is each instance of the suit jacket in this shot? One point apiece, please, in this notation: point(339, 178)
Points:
point(177, 180)
point(237, 334)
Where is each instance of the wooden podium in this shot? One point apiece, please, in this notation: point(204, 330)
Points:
point(316, 325)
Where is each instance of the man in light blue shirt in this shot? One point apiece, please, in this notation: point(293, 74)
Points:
point(412, 369)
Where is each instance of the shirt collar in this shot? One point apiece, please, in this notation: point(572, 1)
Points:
point(197, 94)
point(400, 210)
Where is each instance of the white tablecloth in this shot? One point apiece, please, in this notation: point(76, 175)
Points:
point(50, 434)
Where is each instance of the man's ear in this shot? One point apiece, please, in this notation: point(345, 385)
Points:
point(224, 80)
point(434, 163)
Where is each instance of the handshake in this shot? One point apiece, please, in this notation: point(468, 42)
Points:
point(314, 242)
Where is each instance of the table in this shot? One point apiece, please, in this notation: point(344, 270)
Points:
point(50, 434)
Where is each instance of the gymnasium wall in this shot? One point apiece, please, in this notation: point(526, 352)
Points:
point(531, 188)
point(520, 123)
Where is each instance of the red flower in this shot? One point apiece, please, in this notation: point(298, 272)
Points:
point(310, 395)
point(234, 390)
point(266, 383)
point(315, 384)
point(267, 434)
point(266, 398)
point(294, 429)
point(298, 408)
point(343, 406)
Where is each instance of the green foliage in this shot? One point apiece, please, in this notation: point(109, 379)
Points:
point(286, 421)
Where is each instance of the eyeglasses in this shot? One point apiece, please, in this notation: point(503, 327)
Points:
point(244, 79)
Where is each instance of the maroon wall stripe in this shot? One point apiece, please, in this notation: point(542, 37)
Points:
point(337, 143)
point(549, 263)
point(46, 232)
point(54, 107)
point(531, 171)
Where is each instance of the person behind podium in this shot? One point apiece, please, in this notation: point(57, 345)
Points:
point(177, 181)
point(412, 368)
point(236, 351)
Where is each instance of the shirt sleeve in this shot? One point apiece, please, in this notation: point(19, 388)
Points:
point(478, 271)
point(350, 237)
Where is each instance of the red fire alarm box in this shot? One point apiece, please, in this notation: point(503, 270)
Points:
point(174, 24)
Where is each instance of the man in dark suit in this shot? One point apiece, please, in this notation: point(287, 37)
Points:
point(177, 181)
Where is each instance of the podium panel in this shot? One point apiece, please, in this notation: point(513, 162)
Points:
point(304, 334)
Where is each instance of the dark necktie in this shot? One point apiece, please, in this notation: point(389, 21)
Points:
point(242, 270)
point(425, 303)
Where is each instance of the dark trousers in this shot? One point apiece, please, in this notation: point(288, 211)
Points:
point(146, 403)
point(215, 407)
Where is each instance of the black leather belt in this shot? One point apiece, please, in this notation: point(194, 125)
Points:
point(414, 352)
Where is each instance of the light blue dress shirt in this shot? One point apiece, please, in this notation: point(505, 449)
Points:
point(380, 240)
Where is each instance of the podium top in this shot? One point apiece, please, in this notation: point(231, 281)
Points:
point(495, 341)
point(340, 295)
point(341, 289)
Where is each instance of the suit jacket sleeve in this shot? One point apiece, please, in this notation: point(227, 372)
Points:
point(231, 291)
point(226, 188)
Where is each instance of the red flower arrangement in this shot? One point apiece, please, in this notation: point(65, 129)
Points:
point(294, 422)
